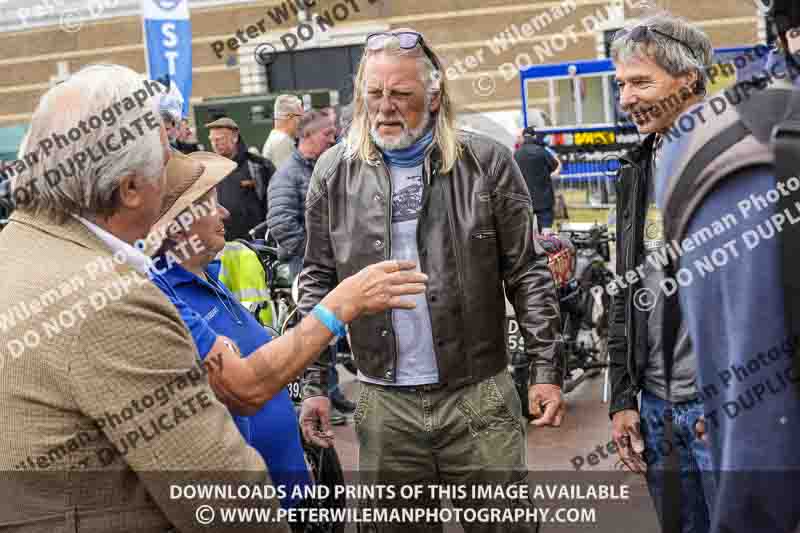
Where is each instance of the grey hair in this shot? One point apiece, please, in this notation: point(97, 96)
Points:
point(90, 188)
point(358, 142)
point(427, 72)
point(667, 53)
point(167, 118)
point(312, 122)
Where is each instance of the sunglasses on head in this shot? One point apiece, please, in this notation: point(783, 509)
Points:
point(643, 33)
point(407, 40)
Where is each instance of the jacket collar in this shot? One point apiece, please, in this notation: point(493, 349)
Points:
point(241, 151)
point(300, 158)
point(177, 275)
point(133, 255)
point(643, 151)
point(71, 230)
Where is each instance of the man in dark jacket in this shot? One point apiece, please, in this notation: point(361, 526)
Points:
point(288, 187)
point(537, 163)
point(658, 59)
point(244, 191)
point(437, 404)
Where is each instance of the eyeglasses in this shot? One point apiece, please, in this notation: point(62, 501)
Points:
point(642, 34)
point(407, 39)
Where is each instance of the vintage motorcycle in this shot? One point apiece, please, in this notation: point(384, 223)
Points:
point(578, 260)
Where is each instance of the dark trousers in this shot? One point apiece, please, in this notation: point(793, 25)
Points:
point(545, 218)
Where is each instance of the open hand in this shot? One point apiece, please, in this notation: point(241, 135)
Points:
point(379, 287)
point(315, 421)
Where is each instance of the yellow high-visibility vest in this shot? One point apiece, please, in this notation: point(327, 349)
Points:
point(243, 274)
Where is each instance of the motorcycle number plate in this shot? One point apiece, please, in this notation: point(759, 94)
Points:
point(295, 390)
point(514, 340)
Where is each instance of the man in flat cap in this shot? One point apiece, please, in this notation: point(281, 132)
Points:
point(244, 191)
point(281, 141)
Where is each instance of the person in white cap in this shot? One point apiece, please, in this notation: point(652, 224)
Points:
point(281, 141)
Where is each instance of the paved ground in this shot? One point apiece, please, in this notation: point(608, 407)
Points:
point(551, 455)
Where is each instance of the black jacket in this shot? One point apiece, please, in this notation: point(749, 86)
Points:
point(183, 147)
point(287, 197)
point(627, 341)
point(474, 236)
point(247, 203)
point(536, 164)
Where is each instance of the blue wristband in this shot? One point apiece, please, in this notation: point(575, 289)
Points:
point(329, 319)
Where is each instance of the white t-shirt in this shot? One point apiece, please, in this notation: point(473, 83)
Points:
point(278, 148)
point(416, 358)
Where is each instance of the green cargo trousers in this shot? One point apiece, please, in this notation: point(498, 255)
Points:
point(459, 441)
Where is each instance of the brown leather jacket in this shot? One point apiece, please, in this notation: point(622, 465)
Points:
point(475, 233)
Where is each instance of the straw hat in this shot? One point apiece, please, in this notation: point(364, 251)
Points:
point(188, 178)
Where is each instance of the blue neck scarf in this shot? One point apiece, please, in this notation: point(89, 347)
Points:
point(412, 156)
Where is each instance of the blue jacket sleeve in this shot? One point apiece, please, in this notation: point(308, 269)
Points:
point(204, 337)
point(735, 315)
point(286, 211)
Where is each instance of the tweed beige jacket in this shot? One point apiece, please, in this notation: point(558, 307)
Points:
point(105, 414)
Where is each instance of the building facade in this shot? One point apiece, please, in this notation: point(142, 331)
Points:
point(485, 42)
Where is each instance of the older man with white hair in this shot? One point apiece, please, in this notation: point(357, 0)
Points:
point(437, 403)
point(98, 374)
point(281, 141)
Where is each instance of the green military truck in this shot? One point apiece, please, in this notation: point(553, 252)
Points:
point(253, 113)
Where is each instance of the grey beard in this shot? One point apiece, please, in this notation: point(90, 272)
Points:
point(406, 139)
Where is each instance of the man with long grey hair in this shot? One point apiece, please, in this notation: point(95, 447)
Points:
point(437, 403)
point(661, 65)
point(98, 374)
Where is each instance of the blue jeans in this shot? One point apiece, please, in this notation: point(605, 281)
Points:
point(698, 486)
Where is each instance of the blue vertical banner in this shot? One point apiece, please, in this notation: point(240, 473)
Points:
point(168, 41)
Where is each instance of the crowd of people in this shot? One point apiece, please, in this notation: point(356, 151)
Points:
point(406, 235)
